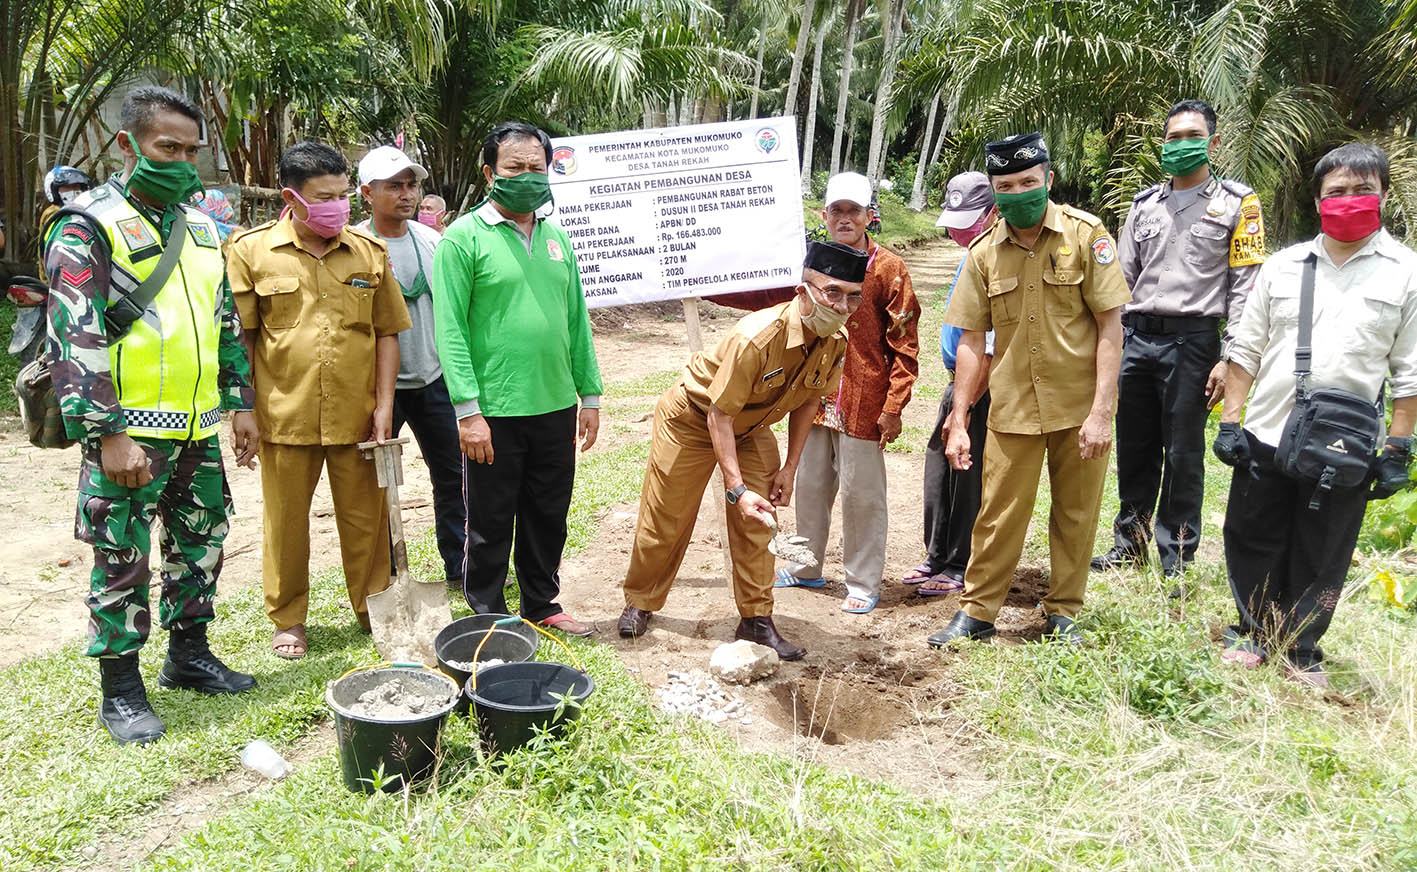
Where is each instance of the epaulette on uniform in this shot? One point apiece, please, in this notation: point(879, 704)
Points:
point(251, 231)
point(1081, 216)
point(369, 237)
point(1239, 189)
point(1145, 193)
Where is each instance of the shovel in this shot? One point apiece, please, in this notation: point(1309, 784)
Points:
point(407, 615)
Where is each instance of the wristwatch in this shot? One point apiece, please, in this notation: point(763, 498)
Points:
point(733, 493)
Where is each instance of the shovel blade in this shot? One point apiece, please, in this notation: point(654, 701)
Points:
point(406, 617)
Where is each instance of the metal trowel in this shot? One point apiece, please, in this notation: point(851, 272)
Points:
point(407, 615)
point(793, 549)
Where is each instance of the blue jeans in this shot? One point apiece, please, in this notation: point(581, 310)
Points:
point(429, 414)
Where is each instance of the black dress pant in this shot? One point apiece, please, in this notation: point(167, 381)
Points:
point(429, 414)
point(952, 496)
point(526, 488)
point(1287, 562)
point(1161, 414)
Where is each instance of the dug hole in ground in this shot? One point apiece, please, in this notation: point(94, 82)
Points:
point(869, 698)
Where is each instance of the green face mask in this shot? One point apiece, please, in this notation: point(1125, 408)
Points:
point(1181, 157)
point(1024, 210)
point(167, 182)
point(521, 194)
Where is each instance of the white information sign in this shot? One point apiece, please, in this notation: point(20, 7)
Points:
point(682, 211)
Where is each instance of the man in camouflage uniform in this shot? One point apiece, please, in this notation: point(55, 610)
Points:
point(145, 405)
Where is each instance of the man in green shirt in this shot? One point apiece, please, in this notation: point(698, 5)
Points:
point(514, 341)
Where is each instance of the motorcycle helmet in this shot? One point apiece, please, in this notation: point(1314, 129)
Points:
point(64, 177)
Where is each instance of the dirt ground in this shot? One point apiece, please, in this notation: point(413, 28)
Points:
point(869, 697)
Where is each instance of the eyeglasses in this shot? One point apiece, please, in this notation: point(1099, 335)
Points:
point(836, 298)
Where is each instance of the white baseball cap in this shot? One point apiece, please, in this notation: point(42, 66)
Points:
point(849, 186)
point(385, 162)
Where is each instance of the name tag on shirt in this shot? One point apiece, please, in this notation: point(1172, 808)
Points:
point(775, 373)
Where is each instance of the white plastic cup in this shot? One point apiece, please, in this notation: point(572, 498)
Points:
point(260, 757)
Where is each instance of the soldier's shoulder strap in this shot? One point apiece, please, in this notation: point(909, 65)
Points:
point(88, 229)
point(1081, 216)
point(1148, 193)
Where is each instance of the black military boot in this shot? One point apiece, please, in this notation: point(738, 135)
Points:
point(191, 665)
point(124, 710)
point(762, 631)
point(961, 626)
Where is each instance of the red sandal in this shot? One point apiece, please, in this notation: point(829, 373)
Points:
point(567, 624)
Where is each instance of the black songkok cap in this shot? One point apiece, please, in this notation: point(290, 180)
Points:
point(837, 260)
point(1015, 153)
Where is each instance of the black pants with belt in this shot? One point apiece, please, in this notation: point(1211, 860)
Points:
point(1287, 562)
point(951, 495)
point(1161, 414)
point(527, 489)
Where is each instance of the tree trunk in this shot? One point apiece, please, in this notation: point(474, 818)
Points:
point(809, 130)
point(758, 66)
point(891, 26)
point(799, 54)
point(843, 94)
point(850, 146)
point(917, 193)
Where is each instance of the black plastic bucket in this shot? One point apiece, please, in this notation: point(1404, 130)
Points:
point(515, 699)
point(405, 748)
point(500, 644)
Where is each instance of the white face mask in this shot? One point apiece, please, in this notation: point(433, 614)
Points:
point(67, 197)
point(824, 320)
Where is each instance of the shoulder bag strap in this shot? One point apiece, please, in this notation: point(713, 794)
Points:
point(121, 314)
point(1304, 352)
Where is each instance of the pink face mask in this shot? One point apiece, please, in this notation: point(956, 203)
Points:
point(964, 237)
point(428, 218)
point(326, 219)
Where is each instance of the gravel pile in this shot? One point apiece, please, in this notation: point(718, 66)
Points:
point(697, 694)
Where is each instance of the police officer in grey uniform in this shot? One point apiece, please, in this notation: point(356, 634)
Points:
point(1190, 250)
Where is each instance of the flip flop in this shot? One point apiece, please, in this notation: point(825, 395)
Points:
point(860, 610)
point(291, 639)
point(918, 575)
point(787, 579)
point(955, 585)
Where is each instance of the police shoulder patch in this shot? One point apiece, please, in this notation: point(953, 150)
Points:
point(1247, 245)
point(1103, 251)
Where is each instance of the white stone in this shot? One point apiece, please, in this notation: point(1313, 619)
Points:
point(742, 662)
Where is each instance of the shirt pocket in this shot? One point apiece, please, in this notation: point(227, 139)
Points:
point(357, 301)
point(1208, 239)
point(1284, 304)
point(1063, 289)
point(1004, 301)
point(1374, 317)
point(279, 301)
point(770, 381)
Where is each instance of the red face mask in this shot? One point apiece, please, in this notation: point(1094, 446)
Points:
point(1351, 217)
point(964, 237)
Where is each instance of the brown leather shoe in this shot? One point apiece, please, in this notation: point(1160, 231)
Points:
point(762, 631)
point(634, 622)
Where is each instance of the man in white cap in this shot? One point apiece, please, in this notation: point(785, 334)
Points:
point(846, 444)
point(390, 183)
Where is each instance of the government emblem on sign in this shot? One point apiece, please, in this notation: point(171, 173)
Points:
point(563, 160)
point(767, 140)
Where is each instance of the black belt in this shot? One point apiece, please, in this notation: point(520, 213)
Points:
point(1161, 324)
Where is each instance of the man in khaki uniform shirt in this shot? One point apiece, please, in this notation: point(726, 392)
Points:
point(321, 308)
point(780, 360)
point(1046, 280)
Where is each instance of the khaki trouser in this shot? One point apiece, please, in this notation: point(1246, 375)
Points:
point(681, 462)
point(1010, 488)
point(858, 466)
point(289, 474)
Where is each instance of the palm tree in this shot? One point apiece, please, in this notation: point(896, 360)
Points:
point(853, 10)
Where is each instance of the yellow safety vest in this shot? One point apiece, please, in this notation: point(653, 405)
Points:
point(165, 367)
